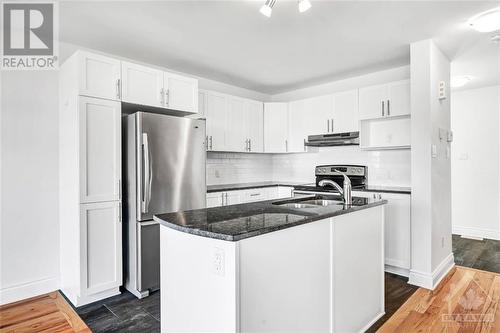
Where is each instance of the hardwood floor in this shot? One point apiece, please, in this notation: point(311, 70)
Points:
point(46, 313)
point(466, 301)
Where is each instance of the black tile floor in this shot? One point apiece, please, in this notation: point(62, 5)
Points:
point(126, 313)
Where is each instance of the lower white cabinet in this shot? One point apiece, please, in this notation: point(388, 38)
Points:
point(226, 198)
point(397, 230)
point(100, 247)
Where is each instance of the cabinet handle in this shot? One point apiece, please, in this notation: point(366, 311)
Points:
point(226, 198)
point(286, 145)
point(211, 142)
point(305, 148)
point(246, 145)
point(249, 144)
point(119, 189)
point(119, 213)
point(380, 196)
point(383, 108)
point(332, 126)
point(388, 108)
point(118, 90)
point(167, 96)
point(328, 125)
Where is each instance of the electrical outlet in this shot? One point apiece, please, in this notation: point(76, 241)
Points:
point(442, 90)
point(218, 261)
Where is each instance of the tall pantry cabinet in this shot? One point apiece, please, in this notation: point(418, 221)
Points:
point(90, 178)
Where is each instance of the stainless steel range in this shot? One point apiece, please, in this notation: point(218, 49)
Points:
point(357, 174)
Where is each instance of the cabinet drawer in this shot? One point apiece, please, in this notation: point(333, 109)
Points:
point(259, 194)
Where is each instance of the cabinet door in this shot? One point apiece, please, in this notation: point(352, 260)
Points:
point(398, 103)
point(181, 93)
point(99, 76)
point(202, 105)
point(255, 126)
point(100, 247)
point(142, 85)
point(370, 102)
point(236, 127)
point(346, 117)
point(397, 230)
point(320, 114)
point(299, 125)
point(275, 127)
point(216, 121)
point(100, 149)
point(233, 198)
point(285, 192)
point(214, 199)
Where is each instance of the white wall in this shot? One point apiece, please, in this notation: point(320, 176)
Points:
point(430, 177)
point(29, 217)
point(385, 167)
point(475, 166)
point(230, 168)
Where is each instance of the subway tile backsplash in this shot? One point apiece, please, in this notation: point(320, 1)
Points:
point(385, 167)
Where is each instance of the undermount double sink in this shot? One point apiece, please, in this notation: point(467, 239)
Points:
point(308, 203)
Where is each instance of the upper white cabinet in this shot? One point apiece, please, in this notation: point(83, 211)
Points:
point(180, 92)
point(233, 123)
point(216, 105)
point(386, 100)
point(276, 127)
point(142, 85)
point(236, 133)
point(100, 149)
point(255, 126)
point(345, 112)
point(300, 125)
point(98, 76)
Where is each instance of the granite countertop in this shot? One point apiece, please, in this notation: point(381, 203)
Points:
point(237, 222)
point(245, 186)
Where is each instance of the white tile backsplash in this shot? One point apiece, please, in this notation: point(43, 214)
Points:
point(385, 167)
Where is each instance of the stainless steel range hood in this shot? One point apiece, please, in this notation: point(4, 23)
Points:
point(337, 139)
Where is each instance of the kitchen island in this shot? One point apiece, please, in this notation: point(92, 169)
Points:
point(304, 264)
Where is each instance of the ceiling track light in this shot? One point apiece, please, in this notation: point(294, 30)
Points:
point(267, 8)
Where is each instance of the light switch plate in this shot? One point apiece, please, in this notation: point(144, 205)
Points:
point(442, 90)
point(434, 151)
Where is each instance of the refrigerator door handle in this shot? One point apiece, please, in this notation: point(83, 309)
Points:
point(147, 174)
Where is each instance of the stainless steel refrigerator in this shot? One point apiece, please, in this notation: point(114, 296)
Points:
point(164, 161)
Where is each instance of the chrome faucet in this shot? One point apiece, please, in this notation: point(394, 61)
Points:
point(345, 192)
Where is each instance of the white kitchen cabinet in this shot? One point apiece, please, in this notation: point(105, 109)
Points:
point(98, 76)
point(255, 126)
point(99, 149)
point(385, 100)
point(216, 105)
point(100, 247)
point(300, 124)
point(236, 126)
point(225, 198)
point(397, 230)
point(284, 192)
point(256, 194)
point(90, 189)
point(202, 105)
point(180, 92)
point(345, 112)
point(142, 85)
point(398, 98)
point(214, 199)
point(276, 127)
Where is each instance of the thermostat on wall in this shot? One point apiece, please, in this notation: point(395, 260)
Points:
point(442, 90)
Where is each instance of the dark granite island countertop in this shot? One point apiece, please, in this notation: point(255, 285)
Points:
point(237, 222)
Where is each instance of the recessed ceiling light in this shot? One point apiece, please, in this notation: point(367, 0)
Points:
point(304, 5)
point(460, 81)
point(486, 22)
point(267, 8)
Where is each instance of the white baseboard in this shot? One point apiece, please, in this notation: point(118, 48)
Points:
point(27, 290)
point(397, 270)
point(373, 321)
point(431, 280)
point(476, 232)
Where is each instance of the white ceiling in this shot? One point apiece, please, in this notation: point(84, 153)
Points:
point(230, 41)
